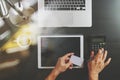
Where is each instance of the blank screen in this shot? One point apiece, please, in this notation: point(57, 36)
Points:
point(54, 47)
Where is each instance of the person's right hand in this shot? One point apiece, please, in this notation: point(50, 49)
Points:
point(97, 63)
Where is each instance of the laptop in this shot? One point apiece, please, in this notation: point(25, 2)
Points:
point(65, 13)
point(50, 48)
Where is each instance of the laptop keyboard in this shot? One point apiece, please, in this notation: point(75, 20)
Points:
point(64, 5)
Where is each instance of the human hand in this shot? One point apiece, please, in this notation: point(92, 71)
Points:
point(97, 63)
point(63, 63)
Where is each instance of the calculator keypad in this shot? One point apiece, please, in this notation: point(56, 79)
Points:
point(96, 46)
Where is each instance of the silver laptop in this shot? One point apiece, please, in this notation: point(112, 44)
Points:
point(50, 48)
point(65, 13)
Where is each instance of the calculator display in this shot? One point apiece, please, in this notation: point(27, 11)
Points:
point(97, 40)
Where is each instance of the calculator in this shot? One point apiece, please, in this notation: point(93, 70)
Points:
point(97, 42)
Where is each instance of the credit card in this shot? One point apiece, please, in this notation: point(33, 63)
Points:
point(76, 60)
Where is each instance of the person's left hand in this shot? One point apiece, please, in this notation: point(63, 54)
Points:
point(64, 63)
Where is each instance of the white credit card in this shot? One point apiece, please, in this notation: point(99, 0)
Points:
point(76, 60)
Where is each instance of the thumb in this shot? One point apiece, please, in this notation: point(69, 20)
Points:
point(107, 62)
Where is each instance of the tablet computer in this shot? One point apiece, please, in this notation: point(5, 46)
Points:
point(51, 47)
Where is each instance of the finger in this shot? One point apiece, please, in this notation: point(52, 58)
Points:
point(92, 55)
point(68, 55)
point(67, 60)
point(102, 50)
point(105, 55)
point(71, 66)
point(68, 64)
point(107, 62)
point(99, 54)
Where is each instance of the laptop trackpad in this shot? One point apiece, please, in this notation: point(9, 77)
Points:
point(61, 19)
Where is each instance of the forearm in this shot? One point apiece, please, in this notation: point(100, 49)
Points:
point(53, 75)
point(93, 77)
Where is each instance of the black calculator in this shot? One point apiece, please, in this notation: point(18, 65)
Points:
point(97, 42)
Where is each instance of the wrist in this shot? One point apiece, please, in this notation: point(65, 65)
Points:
point(56, 72)
point(53, 75)
point(93, 76)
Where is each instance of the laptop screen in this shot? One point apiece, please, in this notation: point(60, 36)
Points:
point(50, 48)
